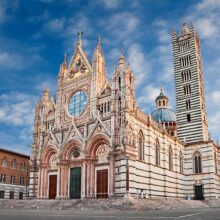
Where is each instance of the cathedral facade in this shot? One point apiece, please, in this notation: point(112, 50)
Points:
point(94, 141)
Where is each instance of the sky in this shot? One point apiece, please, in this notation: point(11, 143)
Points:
point(35, 34)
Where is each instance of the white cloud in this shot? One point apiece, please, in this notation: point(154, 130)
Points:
point(2, 11)
point(215, 97)
point(208, 4)
point(122, 26)
point(55, 25)
point(5, 6)
point(204, 16)
point(110, 3)
point(11, 60)
point(139, 63)
point(150, 92)
point(207, 27)
point(17, 109)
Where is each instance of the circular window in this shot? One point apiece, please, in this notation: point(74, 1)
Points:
point(77, 103)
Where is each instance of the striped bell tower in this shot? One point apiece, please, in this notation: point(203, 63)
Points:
point(191, 114)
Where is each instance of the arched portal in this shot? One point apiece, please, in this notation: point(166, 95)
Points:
point(48, 173)
point(99, 167)
point(71, 166)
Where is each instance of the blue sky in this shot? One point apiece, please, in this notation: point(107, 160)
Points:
point(35, 34)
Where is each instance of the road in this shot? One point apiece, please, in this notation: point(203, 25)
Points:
point(192, 214)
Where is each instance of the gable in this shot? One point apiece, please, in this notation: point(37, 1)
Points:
point(79, 65)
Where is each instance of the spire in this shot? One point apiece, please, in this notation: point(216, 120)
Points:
point(121, 61)
point(115, 72)
point(184, 29)
point(64, 63)
point(45, 94)
point(99, 43)
point(80, 34)
point(129, 67)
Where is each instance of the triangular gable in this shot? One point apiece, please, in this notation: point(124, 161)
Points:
point(105, 87)
point(99, 128)
point(73, 133)
point(79, 65)
point(51, 140)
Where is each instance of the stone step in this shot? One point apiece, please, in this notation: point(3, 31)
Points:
point(107, 204)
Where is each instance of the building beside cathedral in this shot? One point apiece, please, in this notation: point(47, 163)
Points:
point(94, 140)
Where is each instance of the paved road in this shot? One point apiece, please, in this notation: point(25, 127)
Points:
point(194, 214)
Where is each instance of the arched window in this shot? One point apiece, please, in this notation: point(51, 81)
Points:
point(119, 83)
point(197, 163)
point(170, 158)
point(14, 164)
point(4, 162)
point(23, 166)
point(141, 146)
point(157, 153)
point(181, 162)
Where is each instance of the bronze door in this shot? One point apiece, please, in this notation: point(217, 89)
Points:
point(198, 192)
point(75, 183)
point(102, 183)
point(52, 186)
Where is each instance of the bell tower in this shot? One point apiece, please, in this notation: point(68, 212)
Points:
point(191, 114)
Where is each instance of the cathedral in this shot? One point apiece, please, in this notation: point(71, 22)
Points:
point(93, 141)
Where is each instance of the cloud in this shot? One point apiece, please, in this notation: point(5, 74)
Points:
point(122, 26)
point(162, 59)
point(2, 11)
point(11, 60)
point(207, 27)
point(139, 63)
point(17, 109)
point(67, 29)
point(215, 97)
point(39, 18)
point(208, 4)
point(204, 16)
point(110, 4)
point(55, 25)
point(6, 6)
point(47, 1)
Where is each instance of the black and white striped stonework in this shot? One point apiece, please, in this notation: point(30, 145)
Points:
point(190, 100)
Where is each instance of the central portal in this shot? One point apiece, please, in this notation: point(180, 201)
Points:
point(102, 184)
point(75, 183)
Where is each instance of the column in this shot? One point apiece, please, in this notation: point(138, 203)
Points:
point(111, 176)
point(83, 179)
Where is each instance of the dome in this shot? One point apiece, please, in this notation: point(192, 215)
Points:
point(161, 96)
point(163, 115)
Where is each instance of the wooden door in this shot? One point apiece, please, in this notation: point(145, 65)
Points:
point(199, 192)
point(52, 186)
point(102, 184)
point(75, 183)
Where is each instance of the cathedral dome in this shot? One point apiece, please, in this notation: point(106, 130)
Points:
point(163, 115)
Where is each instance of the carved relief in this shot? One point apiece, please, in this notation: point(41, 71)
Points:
point(102, 153)
point(52, 158)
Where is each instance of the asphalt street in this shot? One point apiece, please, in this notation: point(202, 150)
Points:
point(192, 214)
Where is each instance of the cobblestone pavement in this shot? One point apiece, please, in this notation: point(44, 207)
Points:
point(185, 214)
